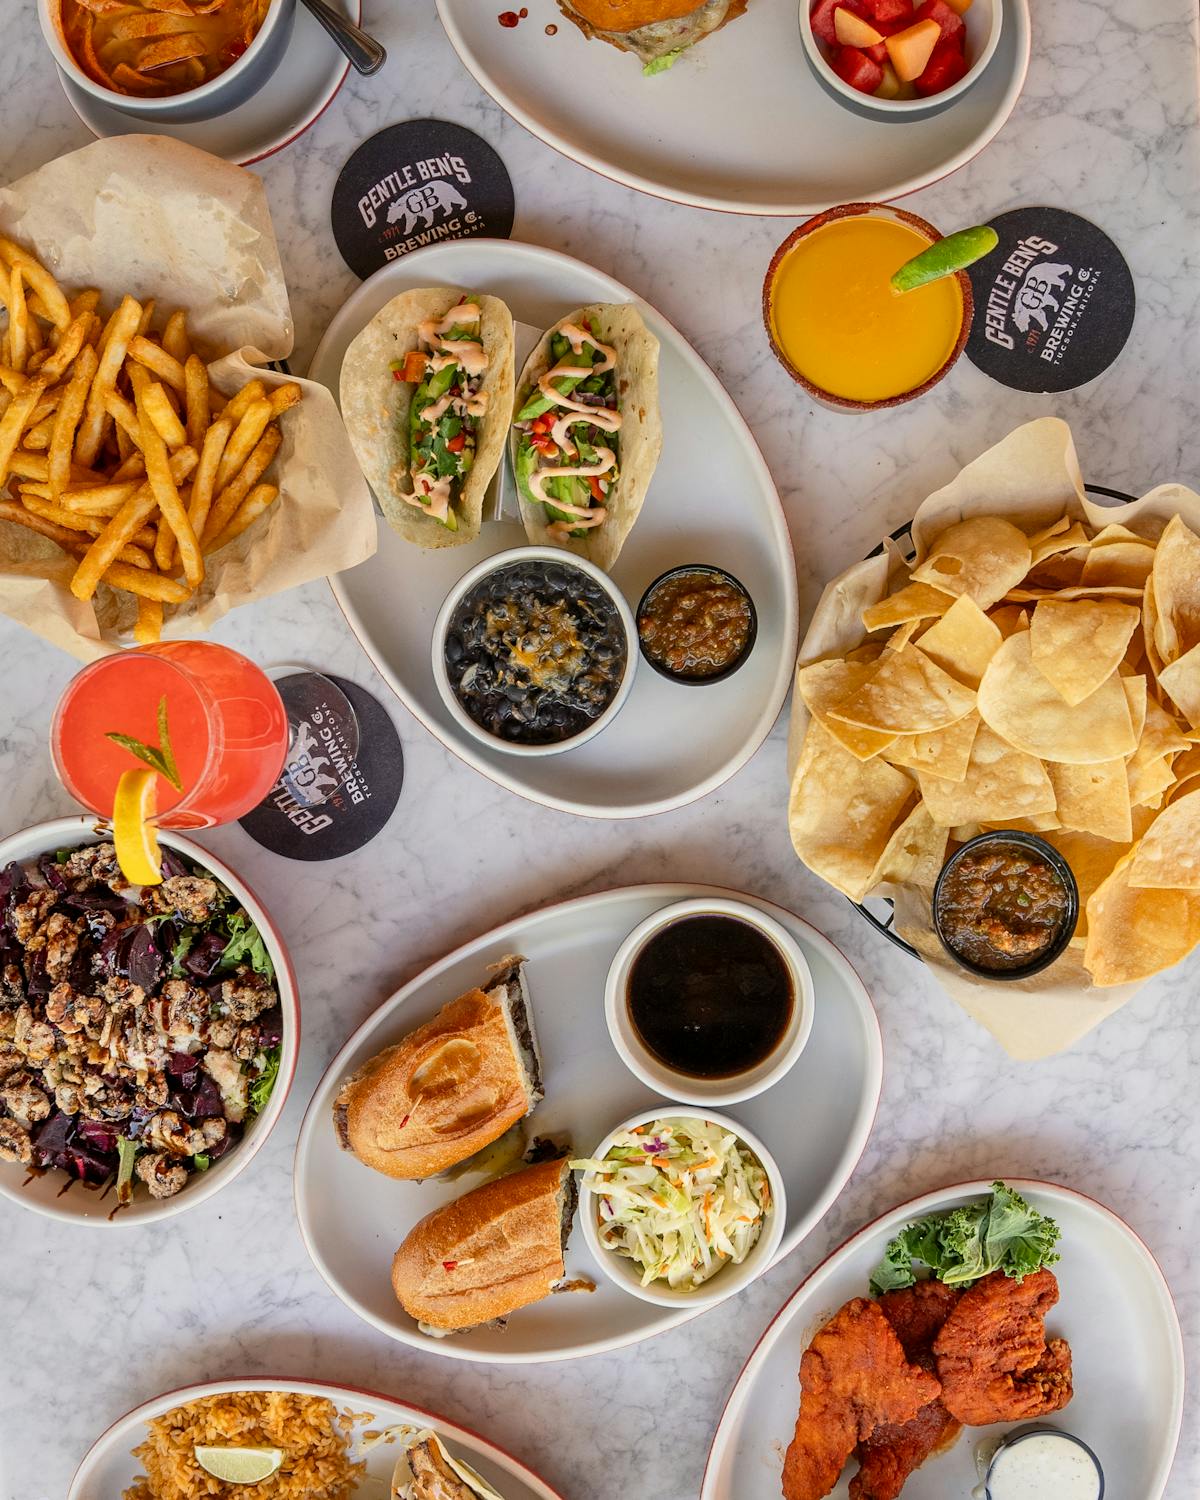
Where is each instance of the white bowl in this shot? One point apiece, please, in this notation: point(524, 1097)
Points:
point(503, 560)
point(682, 1086)
point(44, 1194)
point(983, 20)
point(623, 1272)
point(238, 83)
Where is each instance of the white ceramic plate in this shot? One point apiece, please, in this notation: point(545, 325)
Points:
point(815, 1121)
point(109, 1466)
point(739, 123)
point(711, 500)
point(293, 98)
point(1115, 1311)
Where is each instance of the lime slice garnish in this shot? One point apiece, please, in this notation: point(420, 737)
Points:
point(239, 1465)
point(954, 253)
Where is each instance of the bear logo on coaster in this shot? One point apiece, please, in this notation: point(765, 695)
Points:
point(416, 184)
point(1054, 302)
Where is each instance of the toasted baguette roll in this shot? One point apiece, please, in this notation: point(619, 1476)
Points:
point(489, 1252)
point(651, 28)
point(449, 1088)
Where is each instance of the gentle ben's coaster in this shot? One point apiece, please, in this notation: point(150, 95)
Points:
point(365, 788)
point(415, 184)
point(1054, 302)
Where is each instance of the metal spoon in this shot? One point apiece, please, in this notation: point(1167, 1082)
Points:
point(364, 51)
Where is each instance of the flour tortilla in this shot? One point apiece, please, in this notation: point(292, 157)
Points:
point(619, 324)
point(375, 408)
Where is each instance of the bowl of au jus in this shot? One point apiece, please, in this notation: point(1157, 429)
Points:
point(709, 1001)
point(533, 651)
point(696, 624)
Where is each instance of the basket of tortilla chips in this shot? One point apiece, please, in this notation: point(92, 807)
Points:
point(1035, 668)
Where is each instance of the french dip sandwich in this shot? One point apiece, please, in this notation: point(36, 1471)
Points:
point(449, 1088)
point(654, 30)
point(495, 1249)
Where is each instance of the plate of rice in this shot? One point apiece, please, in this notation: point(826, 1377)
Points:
point(338, 1443)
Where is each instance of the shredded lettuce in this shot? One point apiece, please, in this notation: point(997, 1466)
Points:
point(1000, 1233)
point(201, 1162)
point(246, 946)
point(661, 64)
point(260, 1089)
point(127, 1155)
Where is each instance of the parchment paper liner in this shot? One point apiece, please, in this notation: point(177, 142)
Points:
point(155, 218)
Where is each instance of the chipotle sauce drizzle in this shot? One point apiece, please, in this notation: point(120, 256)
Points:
point(710, 996)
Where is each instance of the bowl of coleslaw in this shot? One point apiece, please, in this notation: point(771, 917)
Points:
point(682, 1207)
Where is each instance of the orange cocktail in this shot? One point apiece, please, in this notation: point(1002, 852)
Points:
point(228, 730)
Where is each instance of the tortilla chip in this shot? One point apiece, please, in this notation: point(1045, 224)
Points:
point(906, 694)
point(901, 636)
point(1126, 563)
point(917, 601)
point(1038, 823)
point(945, 752)
point(1021, 706)
point(824, 682)
point(1135, 697)
point(1067, 540)
point(1001, 783)
point(962, 642)
point(1093, 799)
point(1181, 681)
point(1176, 577)
point(841, 811)
point(1009, 619)
point(1168, 856)
point(1077, 644)
point(915, 853)
point(982, 558)
point(1024, 595)
point(1134, 932)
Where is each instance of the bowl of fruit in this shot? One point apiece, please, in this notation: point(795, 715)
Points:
point(899, 57)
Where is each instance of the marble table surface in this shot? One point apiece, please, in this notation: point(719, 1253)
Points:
point(93, 1323)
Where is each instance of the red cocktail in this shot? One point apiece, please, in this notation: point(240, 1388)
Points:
point(228, 730)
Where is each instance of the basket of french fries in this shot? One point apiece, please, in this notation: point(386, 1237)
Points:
point(151, 479)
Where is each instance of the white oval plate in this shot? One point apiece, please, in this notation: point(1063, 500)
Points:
point(815, 1121)
point(109, 1465)
point(711, 500)
point(1115, 1311)
point(739, 123)
point(295, 96)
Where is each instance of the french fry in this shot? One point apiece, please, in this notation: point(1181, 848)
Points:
point(237, 406)
point(282, 398)
point(175, 337)
point(234, 493)
point(121, 330)
point(162, 414)
point(198, 404)
point(125, 526)
point(158, 362)
point(205, 479)
point(100, 499)
point(164, 486)
point(47, 289)
point(149, 621)
point(12, 380)
point(37, 466)
point(146, 584)
point(60, 359)
point(244, 440)
point(131, 467)
point(12, 423)
point(18, 320)
point(84, 302)
point(67, 419)
point(123, 415)
point(259, 498)
point(147, 317)
point(38, 436)
point(11, 511)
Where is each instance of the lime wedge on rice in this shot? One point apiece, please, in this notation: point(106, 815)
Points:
point(945, 256)
point(239, 1465)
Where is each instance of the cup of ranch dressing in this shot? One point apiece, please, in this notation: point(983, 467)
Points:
point(1042, 1463)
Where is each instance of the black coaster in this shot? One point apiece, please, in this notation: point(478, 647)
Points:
point(416, 184)
point(367, 788)
point(1054, 302)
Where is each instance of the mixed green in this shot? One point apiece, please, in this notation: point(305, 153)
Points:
point(960, 1245)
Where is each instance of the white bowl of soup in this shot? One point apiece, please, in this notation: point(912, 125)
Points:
point(163, 65)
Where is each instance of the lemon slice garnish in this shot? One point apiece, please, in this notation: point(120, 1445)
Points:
point(134, 836)
point(239, 1465)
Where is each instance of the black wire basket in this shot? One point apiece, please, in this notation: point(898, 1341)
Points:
point(881, 913)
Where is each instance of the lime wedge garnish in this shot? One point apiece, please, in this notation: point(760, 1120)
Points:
point(955, 252)
point(239, 1465)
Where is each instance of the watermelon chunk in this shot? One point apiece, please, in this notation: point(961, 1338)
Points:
point(822, 19)
point(877, 53)
point(890, 12)
point(857, 69)
point(943, 70)
point(951, 23)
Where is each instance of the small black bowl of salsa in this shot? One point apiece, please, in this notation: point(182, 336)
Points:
point(696, 624)
point(1005, 905)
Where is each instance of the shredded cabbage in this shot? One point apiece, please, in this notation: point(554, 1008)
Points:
point(681, 1198)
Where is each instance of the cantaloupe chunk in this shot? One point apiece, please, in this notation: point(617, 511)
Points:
point(853, 31)
point(961, 6)
point(912, 48)
point(890, 87)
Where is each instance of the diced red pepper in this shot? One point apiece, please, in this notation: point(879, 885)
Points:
point(597, 492)
point(415, 366)
point(857, 69)
point(545, 447)
point(457, 444)
point(951, 23)
point(887, 12)
point(943, 70)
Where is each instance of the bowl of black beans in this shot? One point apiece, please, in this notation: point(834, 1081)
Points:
point(531, 651)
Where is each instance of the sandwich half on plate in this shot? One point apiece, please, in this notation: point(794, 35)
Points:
point(497, 1248)
point(587, 433)
point(427, 1470)
point(657, 31)
point(448, 1089)
point(426, 395)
